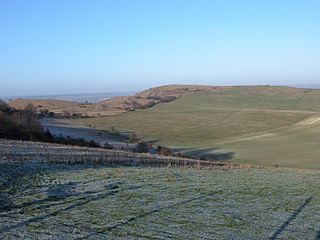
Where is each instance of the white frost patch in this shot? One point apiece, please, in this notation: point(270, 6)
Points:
point(257, 137)
point(251, 138)
point(310, 121)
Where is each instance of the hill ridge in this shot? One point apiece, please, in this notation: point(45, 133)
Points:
point(146, 99)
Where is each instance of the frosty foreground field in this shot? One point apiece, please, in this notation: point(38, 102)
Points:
point(63, 201)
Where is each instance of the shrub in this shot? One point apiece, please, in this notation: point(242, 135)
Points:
point(20, 124)
point(142, 147)
point(66, 114)
point(168, 99)
point(114, 131)
point(107, 146)
point(133, 138)
point(30, 108)
point(4, 106)
point(51, 114)
point(164, 151)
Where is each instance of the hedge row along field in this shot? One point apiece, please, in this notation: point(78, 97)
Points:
point(22, 152)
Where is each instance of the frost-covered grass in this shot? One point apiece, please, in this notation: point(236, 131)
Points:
point(41, 201)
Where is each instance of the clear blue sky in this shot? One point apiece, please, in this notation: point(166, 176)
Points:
point(74, 46)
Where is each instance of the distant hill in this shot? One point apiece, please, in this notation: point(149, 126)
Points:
point(53, 105)
point(240, 121)
point(61, 107)
point(147, 99)
point(115, 105)
point(153, 96)
point(214, 112)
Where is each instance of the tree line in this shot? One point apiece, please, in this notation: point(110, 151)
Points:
point(25, 125)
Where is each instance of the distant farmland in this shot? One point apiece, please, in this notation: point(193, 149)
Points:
point(238, 120)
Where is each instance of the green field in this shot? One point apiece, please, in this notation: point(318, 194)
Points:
point(58, 201)
point(259, 125)
point(295, 146)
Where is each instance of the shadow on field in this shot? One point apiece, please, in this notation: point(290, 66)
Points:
point(160, 209)
point(73, 202)
point(25, 180)
point(155, 210)
point(59, 197)
point(16, 178)
point(293, 216)
point(211, 154)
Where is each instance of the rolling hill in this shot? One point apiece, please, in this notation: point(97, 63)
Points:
point(233, 124)
point(115, 105)
point(153, 96)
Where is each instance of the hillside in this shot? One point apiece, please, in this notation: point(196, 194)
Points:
point(115, 105)
point(153, 96)
point(52, 191)
point(203, 122)
point(174, 90)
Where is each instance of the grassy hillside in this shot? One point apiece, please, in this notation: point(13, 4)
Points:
point(296, 146)
point(214, 119)
point(153, 96)
point(204, 118)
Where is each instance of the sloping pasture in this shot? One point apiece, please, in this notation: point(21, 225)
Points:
point(41, 200)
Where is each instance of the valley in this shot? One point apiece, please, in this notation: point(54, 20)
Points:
point(249, 122)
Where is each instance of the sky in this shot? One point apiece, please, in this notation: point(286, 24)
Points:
point(81, 46)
